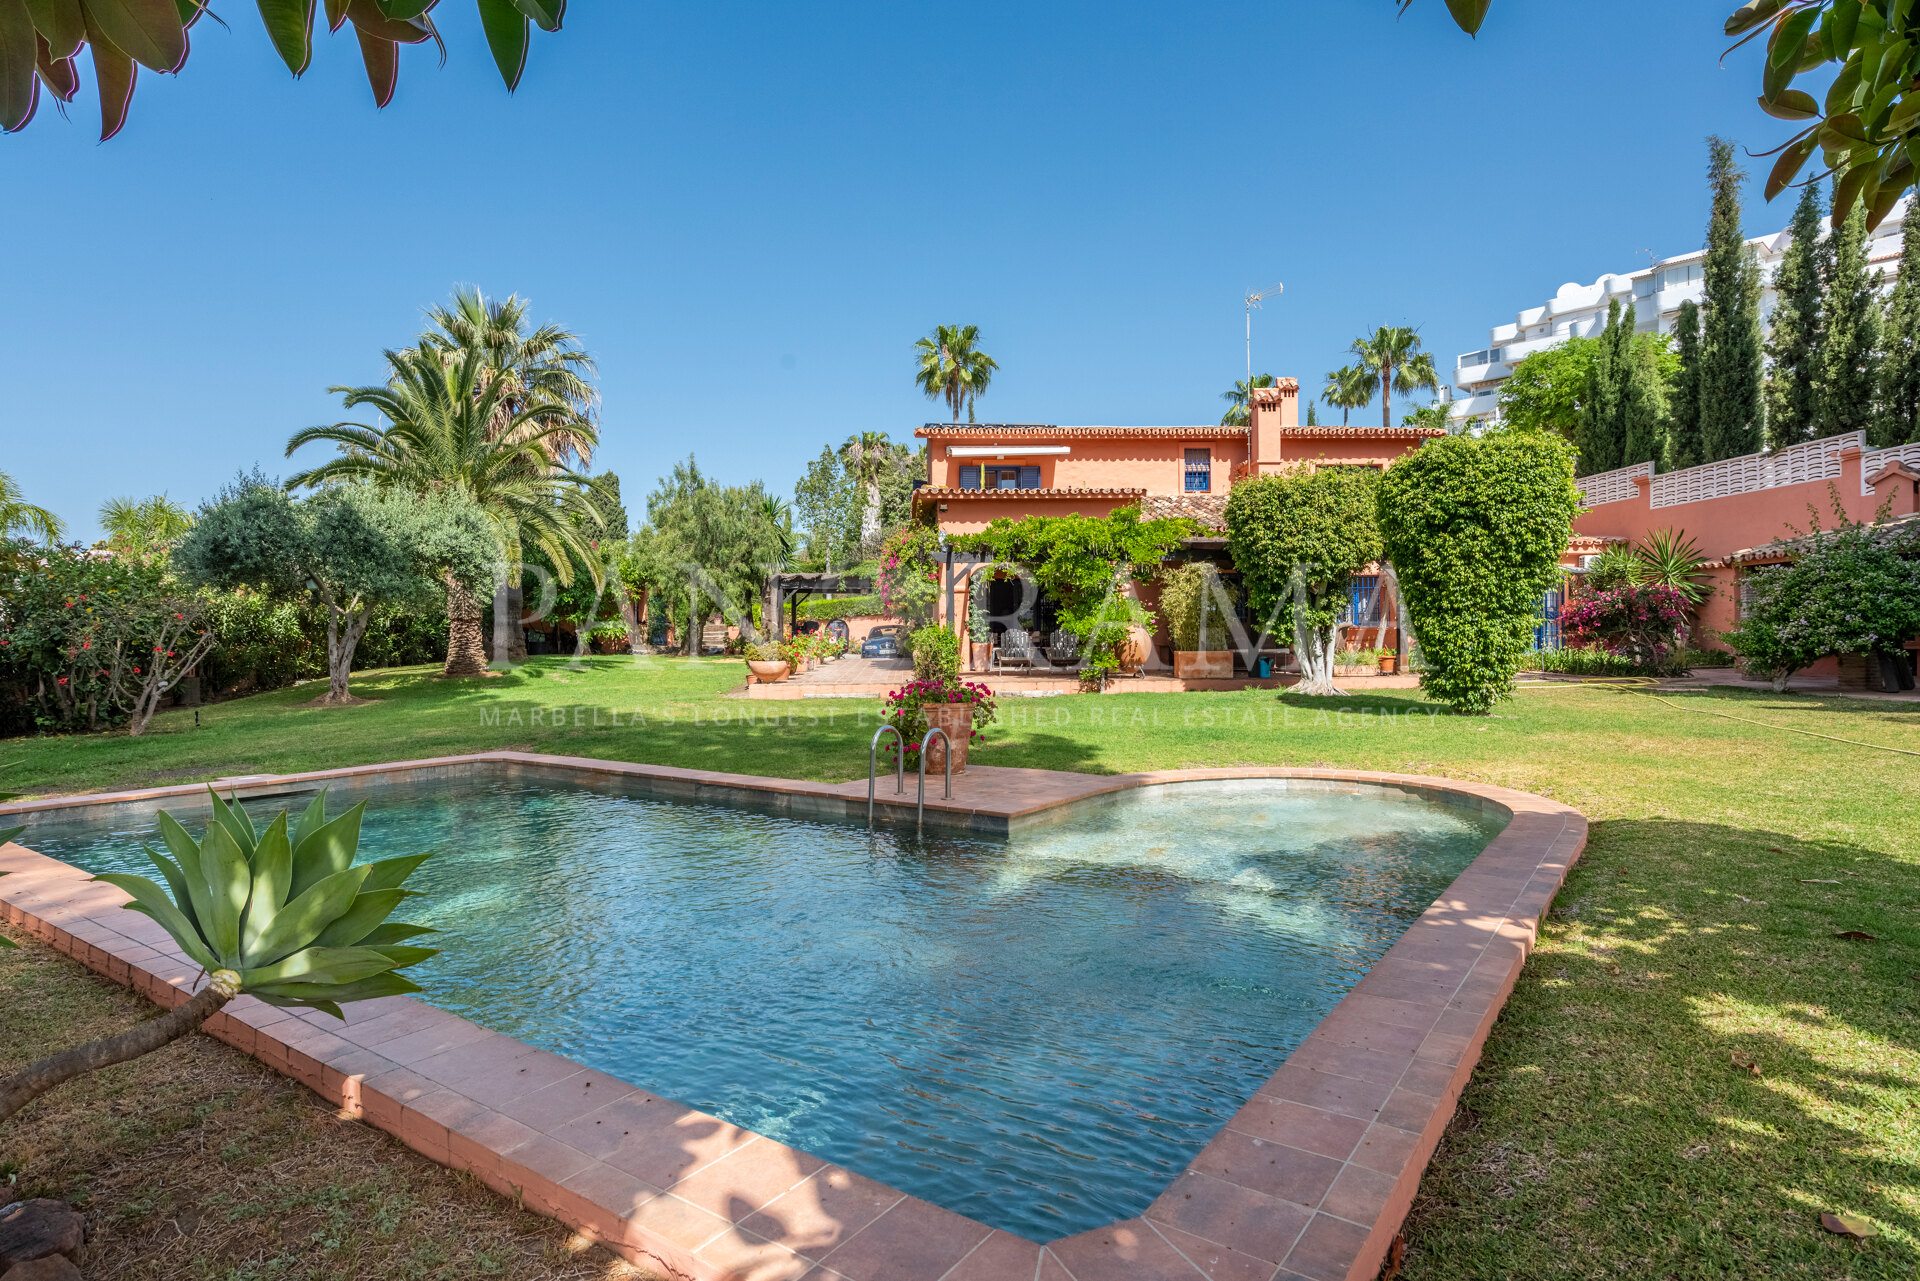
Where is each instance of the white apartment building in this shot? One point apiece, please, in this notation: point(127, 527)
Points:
point(1656, 292)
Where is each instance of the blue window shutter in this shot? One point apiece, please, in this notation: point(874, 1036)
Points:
point(1029, 478)
point(970, 477)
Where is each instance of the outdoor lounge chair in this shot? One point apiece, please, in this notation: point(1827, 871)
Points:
point(1015, 651)
point(1064, 649)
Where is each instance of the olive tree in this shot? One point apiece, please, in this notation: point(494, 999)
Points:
point(351, 548)
point(283, 914)
point(1299, 537)
point(1475, 528)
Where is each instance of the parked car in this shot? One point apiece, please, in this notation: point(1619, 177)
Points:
point(881, 643)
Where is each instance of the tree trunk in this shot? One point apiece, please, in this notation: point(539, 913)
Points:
point(1313, 647)
point(1779, 680)
point(870, 520)
point(466, 647)
point(1386, 396)
point(341, 647)
point(143, 1038)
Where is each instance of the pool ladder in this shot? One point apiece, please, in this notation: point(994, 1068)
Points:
point(900, 768)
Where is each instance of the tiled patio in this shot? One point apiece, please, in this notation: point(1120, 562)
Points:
point(1311, 1179)
point(852, 677)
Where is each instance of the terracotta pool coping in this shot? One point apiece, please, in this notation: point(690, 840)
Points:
point(1311, 1179)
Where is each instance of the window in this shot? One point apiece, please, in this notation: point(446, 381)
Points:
point(1199, 471)
point(1009, 476)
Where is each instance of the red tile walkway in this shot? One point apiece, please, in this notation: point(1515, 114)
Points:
point(1310, 1180)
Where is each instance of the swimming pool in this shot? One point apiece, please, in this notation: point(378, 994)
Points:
point(1038, 1033)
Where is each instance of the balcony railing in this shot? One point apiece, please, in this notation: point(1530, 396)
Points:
point(1486, 357)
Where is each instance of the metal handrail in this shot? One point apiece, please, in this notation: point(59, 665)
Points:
point(920, 814)
point(899, 765)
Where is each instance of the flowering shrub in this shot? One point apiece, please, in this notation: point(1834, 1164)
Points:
point(1851, 590)
point(1637, 621)
point(910, 574)
point(902, 710)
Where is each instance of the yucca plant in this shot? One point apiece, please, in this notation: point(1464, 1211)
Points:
point(1672, 559)
point(285, 916)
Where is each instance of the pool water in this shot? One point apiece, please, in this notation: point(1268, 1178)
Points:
point(1039, 1033)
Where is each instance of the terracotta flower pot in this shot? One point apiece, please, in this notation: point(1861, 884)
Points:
point(1389, 663)
point(979, 655)
point(957, 720)
point(767, 673)
point(1131, 653)
point(1203, 664)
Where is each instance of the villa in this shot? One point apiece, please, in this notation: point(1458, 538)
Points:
point(981, 473)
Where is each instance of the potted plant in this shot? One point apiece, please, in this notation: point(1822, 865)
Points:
point(979, 633)
point(765, 662)
point(1389, 662)
point(1196, 620)
point(959, 707)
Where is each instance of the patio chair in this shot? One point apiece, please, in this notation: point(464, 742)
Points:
point(1015, 651)
point(1064, 649)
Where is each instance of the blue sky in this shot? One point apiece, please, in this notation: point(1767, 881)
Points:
point(750, 211)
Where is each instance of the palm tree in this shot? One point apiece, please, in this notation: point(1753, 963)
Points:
point(866, 457)
point(1395, 361)
point(952, 367)
point(16, 513)
point(445, 433)
point(1236, 398)
point(1348, 388)
point(143, 526)
point(1435, 413)
point(776, 520)
point(542, 366)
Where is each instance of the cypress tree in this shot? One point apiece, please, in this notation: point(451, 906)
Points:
point(1851, 351)
point(1896, 418)
point(1686, 448)
point(1730, 364)
point(1794, 343)
point(1643, 401)
point(1600, 435)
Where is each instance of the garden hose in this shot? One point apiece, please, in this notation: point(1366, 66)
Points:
point(1640, 685)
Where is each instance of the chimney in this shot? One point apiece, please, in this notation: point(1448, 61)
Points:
point(1274, 409)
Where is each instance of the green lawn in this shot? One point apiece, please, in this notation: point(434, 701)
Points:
point(1608, 1130)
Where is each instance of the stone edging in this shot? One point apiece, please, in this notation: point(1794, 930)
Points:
point(1311, 1179)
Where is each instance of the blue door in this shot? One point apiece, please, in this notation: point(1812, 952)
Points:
point(1546, 626)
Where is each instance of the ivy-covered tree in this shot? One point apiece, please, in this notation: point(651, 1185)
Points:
point(1730, 357)
point(1298, 538)
point(1685, 447)
point(350, 548)
point(1850, 356)
point(1475, 527)
point(1896, 410)
point(1795, 336)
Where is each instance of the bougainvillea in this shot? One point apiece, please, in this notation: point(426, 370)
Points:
point(910, 574)
point(1642, 622)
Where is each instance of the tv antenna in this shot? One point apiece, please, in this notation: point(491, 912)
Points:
point(1253, 301)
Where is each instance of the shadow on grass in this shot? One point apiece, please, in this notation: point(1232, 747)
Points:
point(1613, 1124)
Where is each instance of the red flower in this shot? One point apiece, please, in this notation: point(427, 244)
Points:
point(63, 680)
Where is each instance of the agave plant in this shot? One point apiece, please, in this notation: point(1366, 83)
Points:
point(283, 914)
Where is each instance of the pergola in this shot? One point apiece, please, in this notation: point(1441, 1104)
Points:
point(797, 587)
